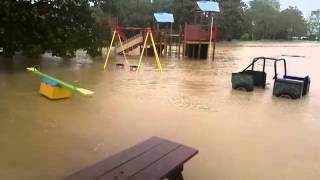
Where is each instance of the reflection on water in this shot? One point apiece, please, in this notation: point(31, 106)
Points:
point(239, 135)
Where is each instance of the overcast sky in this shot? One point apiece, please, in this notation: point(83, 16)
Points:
point(306, 6)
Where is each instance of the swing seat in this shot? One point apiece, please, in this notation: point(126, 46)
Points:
point(120, 65)
point(133, 68)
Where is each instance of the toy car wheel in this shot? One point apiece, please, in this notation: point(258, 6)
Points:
point(287, 95)
point(244, 87)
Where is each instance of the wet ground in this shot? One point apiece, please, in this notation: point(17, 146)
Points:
point(240, 136)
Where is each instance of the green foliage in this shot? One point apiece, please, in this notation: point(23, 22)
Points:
point(182, 11)
point(64, 26)
point(231, 18)
point(128, 12)
point(292, 23)
point(314, 24)
point(37, 26)
point(268, 22)
point(263, 16)
point(245, 37)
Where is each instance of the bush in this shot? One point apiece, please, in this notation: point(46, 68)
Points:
point(245, 37)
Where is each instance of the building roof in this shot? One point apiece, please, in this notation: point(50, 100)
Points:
point(208, 6)
point(164, 17)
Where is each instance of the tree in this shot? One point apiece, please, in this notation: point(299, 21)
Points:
point(231, 18)
point(10, 27)
point(37, 26)
point(314, 24)
point(292, 23)
point(182, 11)
point(129, 12)
point(274, 3)
point(263, 15)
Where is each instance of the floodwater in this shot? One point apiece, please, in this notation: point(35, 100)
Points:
point(240, 135)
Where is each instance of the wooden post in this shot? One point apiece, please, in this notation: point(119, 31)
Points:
point(213, 50)
point(179, 47)
point(180, 40)
point(170, 40)
point(177, 174)
point(146, 53)
point(165, 45)
point(201, 19)
point(199, 50)
point(184, 48)
point(194, 51)
point(214, 44)
point(210, 40)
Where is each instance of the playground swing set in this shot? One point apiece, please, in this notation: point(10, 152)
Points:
point(54, 89)
point(149, 34)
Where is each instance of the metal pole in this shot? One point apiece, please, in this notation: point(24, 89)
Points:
point(144, 47)
point(122, 48)
point(155, 51)
point(109, 51)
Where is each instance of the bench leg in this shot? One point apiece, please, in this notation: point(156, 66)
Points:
point(176, 174)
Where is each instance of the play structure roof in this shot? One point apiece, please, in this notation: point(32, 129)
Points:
point(164, 17)
point(208, 6)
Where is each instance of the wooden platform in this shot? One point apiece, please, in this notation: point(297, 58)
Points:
point(153, 159)
point(196, 51)
point(197, 42)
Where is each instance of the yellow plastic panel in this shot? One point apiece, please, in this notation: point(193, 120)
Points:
point(54, 92)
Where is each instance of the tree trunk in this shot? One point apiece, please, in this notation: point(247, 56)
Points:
point(8, 52)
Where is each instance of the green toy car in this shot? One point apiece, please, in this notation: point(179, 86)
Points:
point(289, 86)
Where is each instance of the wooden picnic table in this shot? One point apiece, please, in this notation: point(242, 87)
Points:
point(153, 159)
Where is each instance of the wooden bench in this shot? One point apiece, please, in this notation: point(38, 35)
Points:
point(153, 159)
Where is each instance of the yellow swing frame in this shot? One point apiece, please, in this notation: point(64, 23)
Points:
point(109, 50)
point(149, 33)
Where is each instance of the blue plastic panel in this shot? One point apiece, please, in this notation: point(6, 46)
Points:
point(208, 6)
point(164, 17)
point(50, 82)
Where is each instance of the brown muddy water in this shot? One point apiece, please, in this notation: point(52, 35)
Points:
point(240, 136)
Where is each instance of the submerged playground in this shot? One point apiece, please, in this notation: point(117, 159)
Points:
point(164, 104)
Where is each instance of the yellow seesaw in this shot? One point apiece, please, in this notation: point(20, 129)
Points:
point(56, 89)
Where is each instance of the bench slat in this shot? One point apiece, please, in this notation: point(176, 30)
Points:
point(164, 166)
point(141, 162)
point(97, 170)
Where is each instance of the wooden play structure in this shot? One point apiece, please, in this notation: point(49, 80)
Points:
point(200, 37)
point(168, 43)
point(145, 37)
point(53, 88)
